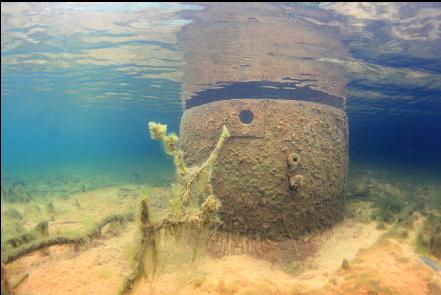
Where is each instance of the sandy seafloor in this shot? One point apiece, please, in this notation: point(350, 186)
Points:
point(79, 82)
point(359, 255)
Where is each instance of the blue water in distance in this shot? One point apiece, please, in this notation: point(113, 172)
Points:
point(81, 95)
point(50, 129)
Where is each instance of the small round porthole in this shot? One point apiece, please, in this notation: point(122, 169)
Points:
point(295, 158)
point(246, 116)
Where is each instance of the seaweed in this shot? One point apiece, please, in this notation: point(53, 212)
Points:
point(192, 187)
point(77, 204)
point(16, 193)
point(50, 209)
point(428, 238)
point(387, 208)
point(11, 229)
point(37, 244)
point(391, 203)
point(147, 250)
point(147, 244)
point(397, 203)
point(13, 214)
point(43, 228)
point(193, 182)
point(20, 240)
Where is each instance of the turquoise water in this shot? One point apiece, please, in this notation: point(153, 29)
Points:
point(81, 81)
point(62, 110)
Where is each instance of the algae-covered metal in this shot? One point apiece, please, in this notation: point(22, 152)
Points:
point(270, 76)
point(279, 175)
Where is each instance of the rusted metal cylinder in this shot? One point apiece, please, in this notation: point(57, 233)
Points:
point(282, 171)
point(276, 80)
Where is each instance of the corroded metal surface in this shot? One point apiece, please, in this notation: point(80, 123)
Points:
point(281, 175)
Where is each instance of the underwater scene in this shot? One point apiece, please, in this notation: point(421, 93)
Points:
point(220, 148)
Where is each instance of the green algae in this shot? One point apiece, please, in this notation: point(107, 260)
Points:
point(192, 209)
point(428, 240)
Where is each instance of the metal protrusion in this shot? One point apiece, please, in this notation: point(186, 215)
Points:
point(293, 160)
point(295, 181)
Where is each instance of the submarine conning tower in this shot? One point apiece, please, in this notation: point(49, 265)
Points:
point(266, 75)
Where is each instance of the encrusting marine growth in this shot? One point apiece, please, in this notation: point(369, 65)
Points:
point(194, 207)
point(281, 174)
point(192, 180)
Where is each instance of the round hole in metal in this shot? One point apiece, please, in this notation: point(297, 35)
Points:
point(246, 116)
